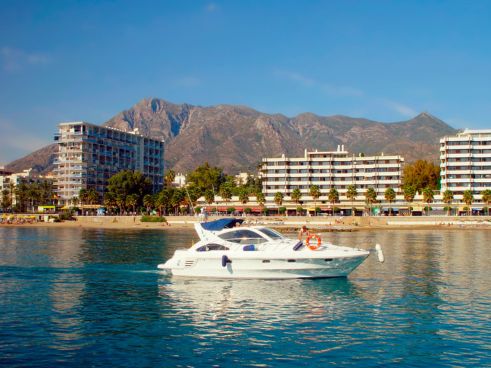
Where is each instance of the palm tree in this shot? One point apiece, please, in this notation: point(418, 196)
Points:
point(162, 201)
point(243, 196)
point(82, 196)
point(278, 198)
point(226, 193)
point(333, 198)
point(12, 191)
point(351, 194)
point(370, 198)
point(468, 198)
point(92, 196)
point(486, 197)
point(33, 194)
point(296, 195)
point(209, 196)
point(109, 201)
point(428, 196)
point(6, 199)
point(132, 201)
point(148, 202)
point(260, 199)
point(120, 202)
point(21, 195)
point(169, 177)
point(409, 192)
point(390, 196)
point(447, 197)
point(315, 193)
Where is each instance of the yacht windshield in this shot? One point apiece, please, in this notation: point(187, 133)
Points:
point(271, 233)
point(243, 237)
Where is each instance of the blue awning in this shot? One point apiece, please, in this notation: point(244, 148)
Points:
point(217, 225)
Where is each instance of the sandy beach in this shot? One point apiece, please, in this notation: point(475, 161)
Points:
point(320, 223)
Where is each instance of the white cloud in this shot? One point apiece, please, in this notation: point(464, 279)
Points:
point(296, 77)
point(327, 88)
point(398, 107)
point(15, 141)
point(211, 7)
point(187, 81)
point(16, 59)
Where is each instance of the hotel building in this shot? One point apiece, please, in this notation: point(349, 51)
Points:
point(331, 169)
point(465, 162)
point(88, 155)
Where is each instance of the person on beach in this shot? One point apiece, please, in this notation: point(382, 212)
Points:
point(303, 231)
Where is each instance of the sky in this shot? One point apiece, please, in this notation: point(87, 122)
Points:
point(382, 60)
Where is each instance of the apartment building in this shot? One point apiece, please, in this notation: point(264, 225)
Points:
point(331, 169)
point(465, 162)
point(88, 155)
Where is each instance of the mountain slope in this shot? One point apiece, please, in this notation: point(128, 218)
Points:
point(237, 137)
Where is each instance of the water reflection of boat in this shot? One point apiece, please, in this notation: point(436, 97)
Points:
point(227, 251)
point(208, 301)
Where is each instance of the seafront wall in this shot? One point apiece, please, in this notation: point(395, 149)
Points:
point(322, 222)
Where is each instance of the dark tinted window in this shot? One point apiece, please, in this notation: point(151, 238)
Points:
point(209, 247)
point(243, 237)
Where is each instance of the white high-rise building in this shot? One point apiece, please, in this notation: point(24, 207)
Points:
point(331, 169)
point(465, 162)
point(88, 155)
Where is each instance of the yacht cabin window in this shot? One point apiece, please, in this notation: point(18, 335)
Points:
point(243, 237)
point(210, 247)
point(271, 233)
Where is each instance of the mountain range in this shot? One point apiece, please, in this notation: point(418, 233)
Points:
point(236, 138)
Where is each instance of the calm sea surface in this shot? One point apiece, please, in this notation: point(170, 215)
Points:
point(93, 298)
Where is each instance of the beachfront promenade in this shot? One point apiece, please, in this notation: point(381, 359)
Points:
point(323, 223)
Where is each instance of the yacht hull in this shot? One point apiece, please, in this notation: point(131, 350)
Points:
point(259, 268)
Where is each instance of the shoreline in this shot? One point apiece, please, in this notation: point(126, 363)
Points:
point(322, 224)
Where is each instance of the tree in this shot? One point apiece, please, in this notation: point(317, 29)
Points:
point(148, 202)
point(33, 193)
point(92, 196)
point(129, 182)
point(109, 201)
point(260, 198)
point(296, 195)
point(120, 202)
point(83, 196)
point(209, 196)
point(447, 197)
point(6, 203)
point(243, 196)
point(428, 196)
point(206, 177)
point(226, 193)
point(177, 198)
point(390, 196)
point(486, 197)
point(132, 201)
point(409, 193)
point(162, 200)
point(370, 198)
point(468, 198)
point(169, 177)
point(278, 198)
point(333, 197)
point(22, 197)
point(351, 193)
point(315, 193)
point(421, 174)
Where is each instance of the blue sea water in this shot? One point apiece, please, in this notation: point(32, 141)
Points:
point(93, 298)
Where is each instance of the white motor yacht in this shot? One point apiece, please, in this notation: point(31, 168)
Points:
point(226, 250)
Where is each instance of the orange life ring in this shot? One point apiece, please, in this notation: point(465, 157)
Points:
point(313, 246)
